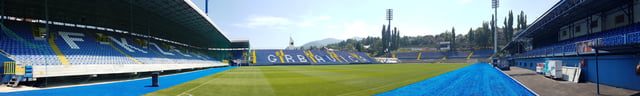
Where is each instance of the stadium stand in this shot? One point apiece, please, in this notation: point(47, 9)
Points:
point(445, 57)
point(106, 38)
point(364, 58)
point(611, 37)
point(293, 57)
point(482, 54)
point(407, 56)
point(322, 57)
point(458, 55)
point(78, 46)
point(580, 27)
point(432, 55)
point(24, 47)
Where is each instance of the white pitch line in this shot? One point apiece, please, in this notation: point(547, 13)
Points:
point(517, 81)
point(186, 92)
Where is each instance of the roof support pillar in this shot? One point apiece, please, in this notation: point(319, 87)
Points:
point(46, 13)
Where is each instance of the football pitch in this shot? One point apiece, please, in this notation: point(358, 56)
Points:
point(317, 80)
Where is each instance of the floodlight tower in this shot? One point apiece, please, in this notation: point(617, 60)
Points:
point(495, 23)
point(387, 44)
point(206, 7)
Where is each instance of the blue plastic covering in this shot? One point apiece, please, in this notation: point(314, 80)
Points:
point(479, 79)
point(127, 88)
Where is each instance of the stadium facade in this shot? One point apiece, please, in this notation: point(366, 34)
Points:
point(52, 38)
point(572, 30)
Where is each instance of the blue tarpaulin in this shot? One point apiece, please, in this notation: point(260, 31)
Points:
point(479, 79)
point(127, 88)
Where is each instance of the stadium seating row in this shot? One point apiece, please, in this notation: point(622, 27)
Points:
point(76, 46)
point(275, 57)
point(618, 36)
point(478, 54)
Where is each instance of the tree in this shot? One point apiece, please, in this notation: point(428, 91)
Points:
point(384, 38)
point(359, 47)
point(396, 39)
point(393, 40)
point(453, 39)
point(508, 27)
point(312, 47)
point(505, 28)
point(522, 21)
point(484, 36)
point(470, 37)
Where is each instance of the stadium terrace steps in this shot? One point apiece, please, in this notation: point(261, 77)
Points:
point(579, 46)
point(482, 54)
point(125, 54)
point(432, 55)
point(322, 57)
point(76, 51)
point(294, 57)
point(408, 56)
point(25, 48)
point(81, 48)
point(478, 54)
point(63, 59)
point(4, 58)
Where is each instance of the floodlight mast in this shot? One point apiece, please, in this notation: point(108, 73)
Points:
point(206, 7)
point(495, 24)
point(387, 44)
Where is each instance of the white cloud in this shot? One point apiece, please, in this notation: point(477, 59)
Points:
point(279, 22)
point(357, 28)
point(311, 22)
point(332, 27)
point(415, 30)
point(266, 22)
point(464, 1)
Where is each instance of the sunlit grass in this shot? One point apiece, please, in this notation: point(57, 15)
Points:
point(321, 80)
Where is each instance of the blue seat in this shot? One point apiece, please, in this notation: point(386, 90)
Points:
point(29, 49)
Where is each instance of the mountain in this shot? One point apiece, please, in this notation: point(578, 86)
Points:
point(357, 38)
point(322, 42)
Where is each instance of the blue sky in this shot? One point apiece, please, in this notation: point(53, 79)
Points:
point(269, 23)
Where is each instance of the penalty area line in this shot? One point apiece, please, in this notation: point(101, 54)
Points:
point(186, 92)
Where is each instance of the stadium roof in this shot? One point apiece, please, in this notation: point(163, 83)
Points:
point(174, 20)
point(240, 43)
point(562, 13)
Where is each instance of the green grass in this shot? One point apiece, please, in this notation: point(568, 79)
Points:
point(323, 80)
